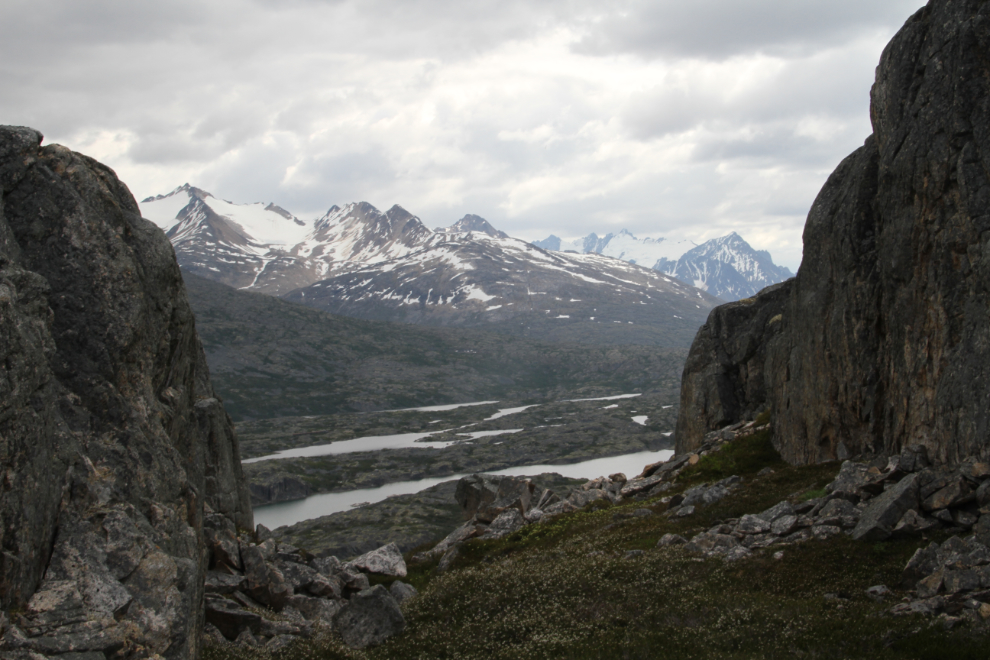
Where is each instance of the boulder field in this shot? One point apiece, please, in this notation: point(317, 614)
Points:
point(882, 340)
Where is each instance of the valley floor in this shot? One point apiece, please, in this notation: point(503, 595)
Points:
point(504, 435)
point(480, 439)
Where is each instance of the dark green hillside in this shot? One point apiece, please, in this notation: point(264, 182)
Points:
point(272, 358)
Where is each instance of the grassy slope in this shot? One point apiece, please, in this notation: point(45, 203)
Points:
point(564, 590)
point(270, 358)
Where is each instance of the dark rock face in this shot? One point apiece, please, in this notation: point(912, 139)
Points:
point(724, 379)
point(112, 442)
point(283, 489)
point(885, 334)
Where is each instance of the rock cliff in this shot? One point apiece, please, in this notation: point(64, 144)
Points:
point(884, 334)
point(113, 444)
point(724, 379)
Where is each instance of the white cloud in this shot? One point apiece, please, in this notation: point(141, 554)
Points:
point(667, 118)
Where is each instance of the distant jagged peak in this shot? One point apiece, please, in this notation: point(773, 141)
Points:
point(592, 243)
point(183, 212)
point(363, 222)
point(551, 243)
point(398, 215)
point(732, 247)
point(333, 214)
point(727, 266)
point(349, 213)
point(471, 222)
point(193, 192)
point(732, 238)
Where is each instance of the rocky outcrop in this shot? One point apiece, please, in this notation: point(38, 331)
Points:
point(901, 497)
point(113, 444)
point(283, 595)
point(496, 506)
point(724, 379)
point(884, 339)
point(279, 489)
point(370, 617)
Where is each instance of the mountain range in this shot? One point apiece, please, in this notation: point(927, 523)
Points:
point(358, 261)
point(727, 267)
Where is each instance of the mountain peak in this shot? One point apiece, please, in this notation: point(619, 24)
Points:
point(192, 192)
point(726, 267)
point(471, 222)
point(551, 243)
point(398, 212)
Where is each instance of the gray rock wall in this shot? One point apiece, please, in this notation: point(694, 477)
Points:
point(724, 379)
point(112, 441)
point(885, 333)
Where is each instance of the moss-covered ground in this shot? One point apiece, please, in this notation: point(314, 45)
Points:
point(565, 589)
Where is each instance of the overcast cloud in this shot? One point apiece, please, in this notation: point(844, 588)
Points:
point(664, 117)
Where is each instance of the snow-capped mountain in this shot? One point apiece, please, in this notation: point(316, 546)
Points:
point(221, 240)
point(267, 249)
point(360, 262)
point(262, 223)
point(469, 223)
point(505, 284)
point(727, 267)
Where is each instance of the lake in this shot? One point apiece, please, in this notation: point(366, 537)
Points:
point(289, 513)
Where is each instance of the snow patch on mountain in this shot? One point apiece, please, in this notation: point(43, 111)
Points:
point(644, 252)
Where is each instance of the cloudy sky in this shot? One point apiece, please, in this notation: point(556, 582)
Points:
point(669, 118)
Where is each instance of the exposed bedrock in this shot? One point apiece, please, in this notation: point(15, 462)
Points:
point(884, 338)
point(112, 440)
point(724, 379)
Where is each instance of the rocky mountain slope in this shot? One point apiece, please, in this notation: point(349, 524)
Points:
point(272, 358)
point(267, 249)
point(509, 286)
point(727, 267)
point(882, 341)
point(114, 445)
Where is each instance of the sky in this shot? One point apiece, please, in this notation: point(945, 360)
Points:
point(666, 118)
